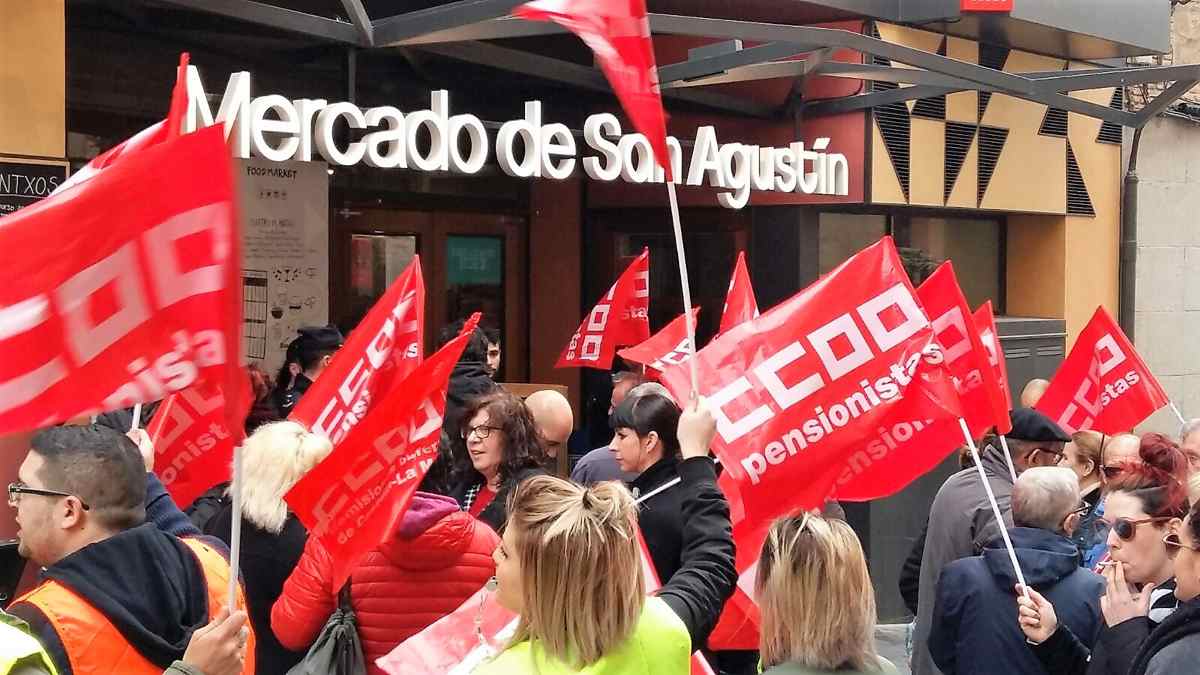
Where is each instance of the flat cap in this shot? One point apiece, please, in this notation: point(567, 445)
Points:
point(1031, 425)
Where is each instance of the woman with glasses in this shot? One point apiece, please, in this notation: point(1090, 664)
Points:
point(1144, 503)
point(1174, 645)
point(503, 448)
point(1082, 455)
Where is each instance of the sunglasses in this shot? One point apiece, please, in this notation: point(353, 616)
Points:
point(1111, 472)
point(1174, 543)
point(1126, 529)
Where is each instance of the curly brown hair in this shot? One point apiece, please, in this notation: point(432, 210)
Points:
point(523, 445)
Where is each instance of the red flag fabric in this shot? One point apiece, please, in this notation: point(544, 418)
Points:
point(740, 305)
point(1103, 384)
point(381, 352)
point(138, 298)
point(353, 499)
point(667, 347)
point(618, 33)
point(822, 396)
point(193, 444)
point(985, 323)
point(802, 392)
point(967, 359)
point(621, 317)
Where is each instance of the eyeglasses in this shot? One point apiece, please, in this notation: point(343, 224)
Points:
point(481, 432)
point(1126, 529)
point(15, 490)
point(1174, 543)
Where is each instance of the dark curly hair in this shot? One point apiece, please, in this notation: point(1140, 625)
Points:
point(523, 448)
point(1160, 481)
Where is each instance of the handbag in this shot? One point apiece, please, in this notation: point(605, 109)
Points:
point(337, 650)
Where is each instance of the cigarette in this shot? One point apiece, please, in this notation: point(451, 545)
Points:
point(1106, 563)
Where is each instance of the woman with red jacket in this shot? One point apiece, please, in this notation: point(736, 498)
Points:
point(438, 557)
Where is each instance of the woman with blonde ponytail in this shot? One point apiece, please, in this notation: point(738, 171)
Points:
point(274, 458)
point(816, 599)
point(569, 564)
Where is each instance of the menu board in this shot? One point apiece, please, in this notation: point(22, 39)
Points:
point(285, 254)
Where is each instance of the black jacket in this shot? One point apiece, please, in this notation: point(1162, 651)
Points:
point(148, 583)
point(1174, 646)
point(266, 562)
point(496, 513)
point(286, 399)
point(661, 516)
point(974, 628)
point(705, 579)
point(1115, 649)
point(468, 380)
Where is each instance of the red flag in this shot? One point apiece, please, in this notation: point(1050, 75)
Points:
point(1103, 384)
point(138, 297)
point(618, 33)
point(740, 305)
point(353, 499)
point(985, 323)
point(381, 352)
point(966, 357)
point(823, 385)
point(619, 318)
point(193, 444)
point(821, 397)
point(667, 347)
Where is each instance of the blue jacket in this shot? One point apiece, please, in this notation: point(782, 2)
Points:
point(974, 628)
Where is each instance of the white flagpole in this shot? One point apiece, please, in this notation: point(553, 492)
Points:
point(686, 287)
point(1175, 409)
point(235, 535)
point(1012, 554)
point(1012, 469)
point(137, 417)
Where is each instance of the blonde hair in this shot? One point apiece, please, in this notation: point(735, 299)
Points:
point(274, 458)
point(815, 596)
point(581, 568)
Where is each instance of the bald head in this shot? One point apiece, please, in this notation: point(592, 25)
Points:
point(552, 414)
point(1032, 393)
point(1117, 452)
point(1044, 496)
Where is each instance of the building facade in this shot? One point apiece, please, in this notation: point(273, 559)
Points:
point(1023, 196)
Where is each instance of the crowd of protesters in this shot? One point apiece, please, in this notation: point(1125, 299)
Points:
point(1107, 545)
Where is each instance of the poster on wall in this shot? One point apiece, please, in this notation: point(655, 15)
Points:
point(23, 182)
point(285, 278)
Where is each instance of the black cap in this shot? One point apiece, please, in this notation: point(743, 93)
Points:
point(320, 337)
point(1031, 425)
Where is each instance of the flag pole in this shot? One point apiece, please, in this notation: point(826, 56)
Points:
point(667, 485)
point(1012, 469)
point(1175, 409)
point(235, 534)
point(686, 287)
point(137, 417)
point(1012, 554)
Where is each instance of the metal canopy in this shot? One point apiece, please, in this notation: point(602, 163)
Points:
point(460, 30)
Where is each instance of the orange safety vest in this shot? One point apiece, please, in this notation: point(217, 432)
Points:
point(95, 647)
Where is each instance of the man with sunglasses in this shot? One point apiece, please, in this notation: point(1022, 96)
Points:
point(961, 521)
point(116, 594)
point(973, 629)
point(1117, 454)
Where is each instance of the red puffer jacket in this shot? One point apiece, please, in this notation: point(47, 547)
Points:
point(438, 557)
